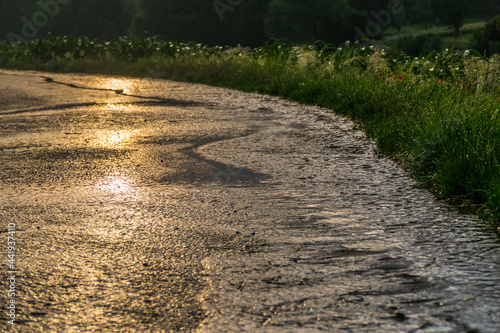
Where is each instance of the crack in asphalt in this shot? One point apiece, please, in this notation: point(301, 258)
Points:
point(164, 101)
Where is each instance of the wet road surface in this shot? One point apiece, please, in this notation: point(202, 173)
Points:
point(155, 206)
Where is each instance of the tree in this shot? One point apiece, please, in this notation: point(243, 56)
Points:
point(373, 9)
point(103, 20)
point(304, 22)
point(246, 23)
point(452, 12)
point(172, 19)
point(421, 12)
point(229, 22)
point(11, 15)
point(487, 40)
point(490, 7)
point(29, 19)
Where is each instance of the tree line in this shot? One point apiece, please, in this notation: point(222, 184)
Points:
point(230, 22)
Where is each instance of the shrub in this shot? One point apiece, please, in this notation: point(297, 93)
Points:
point(419, 45)
point(487, 39)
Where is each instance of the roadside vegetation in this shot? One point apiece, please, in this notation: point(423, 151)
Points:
point(417, 40)
point(437, 114)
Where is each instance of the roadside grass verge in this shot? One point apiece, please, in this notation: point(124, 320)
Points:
point(446, 33)
point(438, 115)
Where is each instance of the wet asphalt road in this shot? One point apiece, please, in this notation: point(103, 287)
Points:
point(155, 206)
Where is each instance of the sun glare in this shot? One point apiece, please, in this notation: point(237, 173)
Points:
point(115, 184)
point(119, 85)
point(116, 107)
point(118, 186)
point(113, 139)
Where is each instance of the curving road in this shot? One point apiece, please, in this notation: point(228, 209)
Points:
point(152, 206)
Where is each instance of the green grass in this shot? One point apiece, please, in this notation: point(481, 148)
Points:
point(447, 34)
point(438, 115)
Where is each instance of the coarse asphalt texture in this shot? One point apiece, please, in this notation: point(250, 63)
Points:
point(143, 205)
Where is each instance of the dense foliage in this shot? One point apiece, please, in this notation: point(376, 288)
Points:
point(228, 22)
point(438, 115)
point(24, 20)
point(418, 45)
point(487, 40)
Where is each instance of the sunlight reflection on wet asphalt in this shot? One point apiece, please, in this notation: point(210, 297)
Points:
point(146, 205)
